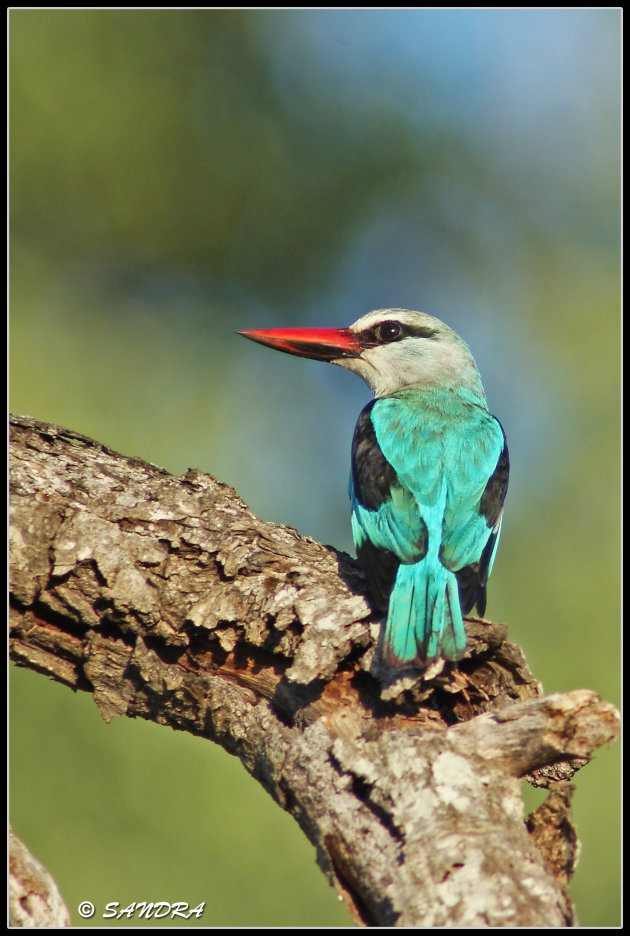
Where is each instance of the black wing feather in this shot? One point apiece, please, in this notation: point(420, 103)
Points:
point(373, 478)
point(372, 474)
point(472, 579)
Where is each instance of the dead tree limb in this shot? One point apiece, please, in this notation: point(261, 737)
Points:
point(167, 599)
point(34, 899)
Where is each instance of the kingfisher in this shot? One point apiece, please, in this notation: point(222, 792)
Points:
point(429, 475)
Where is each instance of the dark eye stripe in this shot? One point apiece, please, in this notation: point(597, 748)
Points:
point(389, 331)
point(374, 336)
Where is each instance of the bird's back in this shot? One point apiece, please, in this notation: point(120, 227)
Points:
point(424, 461)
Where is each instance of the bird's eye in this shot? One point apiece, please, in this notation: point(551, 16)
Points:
point(389, 331)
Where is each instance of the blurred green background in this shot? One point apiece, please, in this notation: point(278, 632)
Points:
point(178, 175)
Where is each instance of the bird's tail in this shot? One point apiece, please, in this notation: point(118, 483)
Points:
point(424, 620)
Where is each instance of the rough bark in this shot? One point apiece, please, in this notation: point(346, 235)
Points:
point(167, 599)
point(34, 899)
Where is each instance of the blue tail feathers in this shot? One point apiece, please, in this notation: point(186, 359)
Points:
point(424, 619)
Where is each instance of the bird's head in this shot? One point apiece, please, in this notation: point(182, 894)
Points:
point(391, 349)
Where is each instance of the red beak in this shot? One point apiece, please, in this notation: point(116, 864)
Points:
point(322, 344)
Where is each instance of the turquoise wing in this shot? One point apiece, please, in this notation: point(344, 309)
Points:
point(429, 474)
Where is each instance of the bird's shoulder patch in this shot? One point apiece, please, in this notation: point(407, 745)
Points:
point(493, 496)
point(372, 475)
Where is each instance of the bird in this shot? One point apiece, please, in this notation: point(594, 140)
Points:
point(428, 479)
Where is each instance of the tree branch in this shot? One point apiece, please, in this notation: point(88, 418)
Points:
point(34, 899)
point(166, 598)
